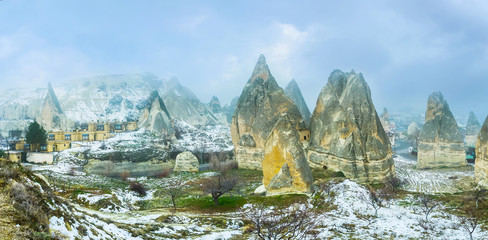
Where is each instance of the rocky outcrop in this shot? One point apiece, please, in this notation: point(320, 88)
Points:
point(472, 130)
point(385, 120)
point(215, 105)
point(293, 92)
point(440, 141)
point(481, 163)
point(186, 162)
point(52, 116)
point(230, 108)
point(184, 105)
point(413, 131)
point(260, 105)
point(285, 167)
point(346, 133)
point(155, 117)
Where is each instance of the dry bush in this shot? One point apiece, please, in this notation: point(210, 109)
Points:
point(394, 184)
point(295, 222)
point(165, 173)
point(376, 199)
point(124, 175)
point(427, 205)
point(138, 188)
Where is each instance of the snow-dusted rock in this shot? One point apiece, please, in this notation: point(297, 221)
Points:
point(186, 162)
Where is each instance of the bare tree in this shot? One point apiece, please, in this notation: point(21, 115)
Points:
point(174, 190)
point(470, 220)
point(295, 222)
point(221, 183)
point(324, 194)
point(427, 204)
point(479, 194)
point(375, 199)
point(394, 183)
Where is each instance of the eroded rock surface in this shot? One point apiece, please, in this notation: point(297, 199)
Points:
point(285, 167)
point(481, 163)
point(259, 107)
point(472, 130)
point(52, 116)
point(155, 117)
point(440, 141)
point(186, 162)
point(293, 92)
point(346, 133)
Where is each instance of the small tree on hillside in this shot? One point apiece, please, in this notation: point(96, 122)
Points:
point(36, 135)
point(174, 190)
point(221, 183)
point(427, 205)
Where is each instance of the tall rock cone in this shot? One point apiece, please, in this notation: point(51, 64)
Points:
point(293, 92)
point(155, 117)
point(285, 167)
point(440, 141)
point(259, 107)
point(481, 163)
point(472, 130)
point(52, 116)
point(346, 133)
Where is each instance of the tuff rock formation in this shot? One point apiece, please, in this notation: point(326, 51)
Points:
point(293, 92)
point(186, 162)
point(481, 163)
point(230, 108)
point(155, 117)
point(346, 133)
point(215, 105)
point(413, 131)
point(385, 120)
point(52, 116)
point(472, 130)
point(260, 105)
point(285, 167)
point(440, 141)
point(184, 105)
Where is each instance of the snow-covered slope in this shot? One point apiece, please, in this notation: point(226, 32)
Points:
point(106, 98)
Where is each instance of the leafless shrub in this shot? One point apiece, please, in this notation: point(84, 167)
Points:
point(174, 190)
point(479, 195)
point(124, 175)
point(324, 194)
point(427, 205)
point(375, 199)
point(470, 220)
point(138, 188)
point(394, 183)
point(295, 222)
point(165, 173)
point(9, 172)
point(109, 168)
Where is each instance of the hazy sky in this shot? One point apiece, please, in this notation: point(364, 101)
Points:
point(405, 49)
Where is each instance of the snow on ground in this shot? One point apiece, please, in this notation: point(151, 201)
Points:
point(210, 138)
point(398, 221)
point(430, 180)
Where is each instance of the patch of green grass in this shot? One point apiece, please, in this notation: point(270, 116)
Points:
point(226, 203)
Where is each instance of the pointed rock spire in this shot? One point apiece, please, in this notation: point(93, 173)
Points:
point(440, 141)
point(51, 116)
point(293, 92)
point(155, 117)
point(342, 126)
point(259, 107)
point(472, 129)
